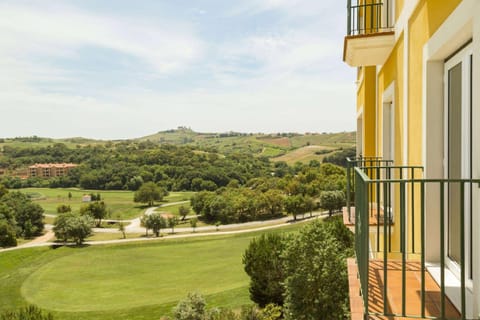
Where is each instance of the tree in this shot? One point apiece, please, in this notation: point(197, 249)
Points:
point(316, 285)
point(193, 223)
point(61, 226)
point(294, 205)
point(183, 211)
point(28, 215)
point(263, 263)
point(7, 234)
point(62, 208)
point(309, 204)
point(156, 222)
point(97, 210)
point(144, 223)
point(332, 201)
point(275, 200)
point(172, 222)
point(69, 196)
point(3, 190)
point(29, 219)
point(190, 308)
point(73, 226)
point(148, 193)
point(121, 228)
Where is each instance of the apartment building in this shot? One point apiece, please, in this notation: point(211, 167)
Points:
point(47, 170)
point(415, 185)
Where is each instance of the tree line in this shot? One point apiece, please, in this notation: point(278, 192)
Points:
point(127, 165)
point(296, 190)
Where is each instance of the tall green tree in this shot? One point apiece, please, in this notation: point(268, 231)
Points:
point(295, 205)
point(8, 236)
point(72, 226)
point(156, 222)
point(263, 263)
point(172, 222)
point(97, 210)
point(316, 285)
point(148, 193)
point(28, 215)
point(193, 223)
point(332, 201)
point(183, 211)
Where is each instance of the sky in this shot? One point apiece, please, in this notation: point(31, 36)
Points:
point(116, 69)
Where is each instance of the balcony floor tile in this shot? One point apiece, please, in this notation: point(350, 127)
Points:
point(394, 291)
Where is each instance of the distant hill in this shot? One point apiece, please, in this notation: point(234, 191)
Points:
point(289, 147)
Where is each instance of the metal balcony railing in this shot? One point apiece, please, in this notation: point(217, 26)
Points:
point(359, 162)
point(369, 16)
point(403, 193)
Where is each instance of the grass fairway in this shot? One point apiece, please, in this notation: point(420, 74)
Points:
point(120, 203)
point(132, 281)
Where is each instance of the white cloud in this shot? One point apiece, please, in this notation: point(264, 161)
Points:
point(272, 79)
point(56, 31)
point(294, 8)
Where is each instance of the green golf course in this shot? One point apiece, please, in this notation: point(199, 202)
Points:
point(136, 281)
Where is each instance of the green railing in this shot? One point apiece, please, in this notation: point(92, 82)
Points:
point(368, 17)
point(401, 192)
point(359, 162)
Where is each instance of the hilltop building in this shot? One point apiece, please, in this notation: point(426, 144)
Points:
point(47, 170)
point(415, 182)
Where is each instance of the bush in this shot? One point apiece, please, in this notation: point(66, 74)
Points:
point(28, 313)
point(190, 308)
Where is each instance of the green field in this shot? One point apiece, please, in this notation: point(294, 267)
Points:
point(132, 281)
point(120, 203)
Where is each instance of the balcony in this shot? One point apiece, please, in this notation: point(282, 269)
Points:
point(401, 273)
point(370, 36)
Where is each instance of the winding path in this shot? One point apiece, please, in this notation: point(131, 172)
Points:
point(134, 227)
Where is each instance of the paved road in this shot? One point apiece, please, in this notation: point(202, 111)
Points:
point(288, 221)
point(134, 227)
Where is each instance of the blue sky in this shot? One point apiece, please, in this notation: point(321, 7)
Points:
point(122, 69)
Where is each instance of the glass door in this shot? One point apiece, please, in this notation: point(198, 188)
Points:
point(458, 156)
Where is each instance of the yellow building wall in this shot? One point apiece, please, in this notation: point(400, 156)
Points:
point(425, 20)
point(398, 8)
point(423, 23)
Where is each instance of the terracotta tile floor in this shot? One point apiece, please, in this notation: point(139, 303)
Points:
point(394, 292)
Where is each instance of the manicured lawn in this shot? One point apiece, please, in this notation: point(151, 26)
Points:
point(120, 203)
point(174, 209)
point(132, 281)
